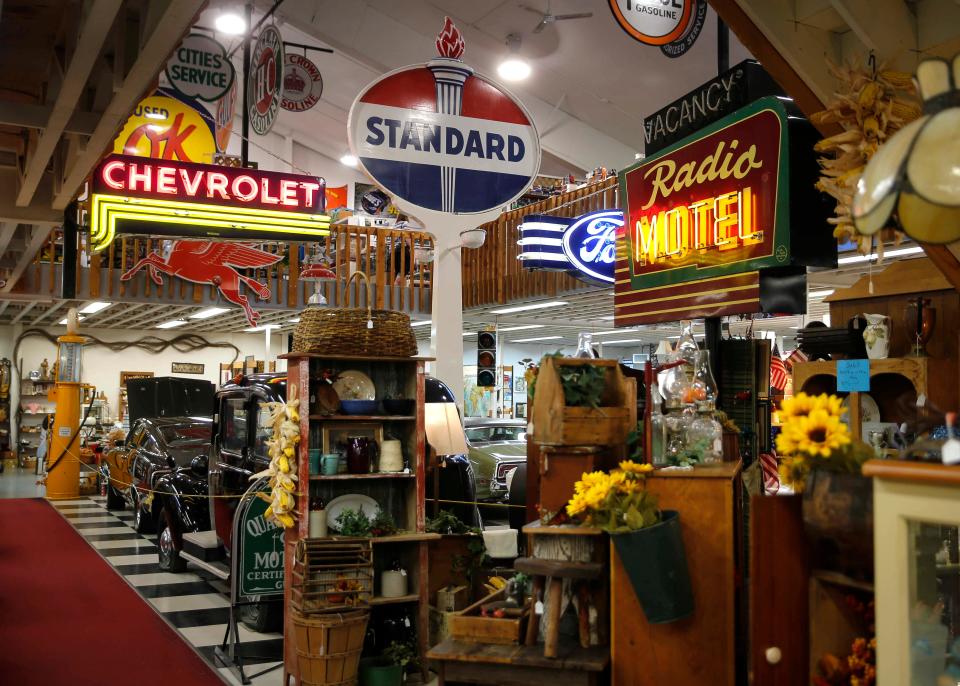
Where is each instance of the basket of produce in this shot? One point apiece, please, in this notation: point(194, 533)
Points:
point(331, 575)
point(355, 330)
point(328, 646)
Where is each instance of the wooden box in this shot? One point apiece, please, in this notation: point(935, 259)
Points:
point(470, 626)
point(556, 424)
point(453, 599)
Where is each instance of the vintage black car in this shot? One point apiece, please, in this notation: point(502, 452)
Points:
point(155, 448)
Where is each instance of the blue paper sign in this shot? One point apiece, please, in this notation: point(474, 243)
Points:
point(853, 375)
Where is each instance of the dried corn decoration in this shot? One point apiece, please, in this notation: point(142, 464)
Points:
point(870, 105)
point(282, 449)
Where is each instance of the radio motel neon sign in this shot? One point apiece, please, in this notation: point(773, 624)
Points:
point(584, 247)
point(134, 195)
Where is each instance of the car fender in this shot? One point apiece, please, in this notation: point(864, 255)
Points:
point(184, 497)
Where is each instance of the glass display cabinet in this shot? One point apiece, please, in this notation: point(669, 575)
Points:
point(916, 519)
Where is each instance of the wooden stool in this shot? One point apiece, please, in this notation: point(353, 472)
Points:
point(581, 573)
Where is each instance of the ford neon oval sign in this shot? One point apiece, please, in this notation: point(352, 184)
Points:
point(444, 138)
point(584, 246)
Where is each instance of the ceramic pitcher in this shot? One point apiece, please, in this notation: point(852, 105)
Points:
point(876, 336)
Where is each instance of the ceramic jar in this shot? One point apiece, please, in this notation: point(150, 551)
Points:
point(876, 336)
point(391, 456)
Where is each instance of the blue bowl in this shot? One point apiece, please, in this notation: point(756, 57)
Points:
point(359, 406)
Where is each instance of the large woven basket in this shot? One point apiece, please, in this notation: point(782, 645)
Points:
point(354, 330)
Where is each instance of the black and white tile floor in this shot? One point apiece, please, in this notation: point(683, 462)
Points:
point(193, 602)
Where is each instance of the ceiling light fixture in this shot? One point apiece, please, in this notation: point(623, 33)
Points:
point(503, 329)
point(172, 324)
point(899, 252)
point(514, 67)
point(295, 320)
point(348, 160)
point(265, 327)
point(533, 306)
point(423, 322)
point(820, 294)
point(470, 333)
point(615, 331)
point(209, 312)
point(230, 23)
point(540, 338)
point(624, 340)
point(64, 320)
point(95, 307)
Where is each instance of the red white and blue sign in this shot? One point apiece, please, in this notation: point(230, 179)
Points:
point(444, 138)
point(585, 246)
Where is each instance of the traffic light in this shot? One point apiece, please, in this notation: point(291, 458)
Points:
point(487, 359)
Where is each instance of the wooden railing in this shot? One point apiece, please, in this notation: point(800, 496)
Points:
point(395, 261)
point(492, 274)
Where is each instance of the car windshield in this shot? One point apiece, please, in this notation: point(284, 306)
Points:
point(176, 436)
point(480, 434)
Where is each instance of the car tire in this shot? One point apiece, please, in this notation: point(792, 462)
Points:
point(115, 500)
point(263, 617)
point(142, 523)
point(168, 555)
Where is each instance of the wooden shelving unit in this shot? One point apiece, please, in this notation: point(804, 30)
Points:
point(401, 494)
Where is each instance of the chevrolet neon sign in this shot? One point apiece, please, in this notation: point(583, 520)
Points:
point(139, 196)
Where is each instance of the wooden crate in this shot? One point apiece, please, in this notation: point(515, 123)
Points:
point(332, 575)
point(469, 625)
point(556, 424)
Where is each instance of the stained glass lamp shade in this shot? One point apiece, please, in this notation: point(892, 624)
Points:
point(915, 177)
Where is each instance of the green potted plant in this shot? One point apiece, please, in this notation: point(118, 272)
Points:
point(648, 540)
point(389, 668)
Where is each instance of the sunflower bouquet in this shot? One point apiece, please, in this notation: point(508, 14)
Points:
point(814, 436)
point(616, 501)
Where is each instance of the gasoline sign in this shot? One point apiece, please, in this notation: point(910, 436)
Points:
point(302, 84)
point(585, 246)
point(167, 128)
point(654, 22)
point(444, 138)
point(261, 552)
point(266, 80)
point(200, 68)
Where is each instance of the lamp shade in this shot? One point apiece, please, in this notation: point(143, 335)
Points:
point(914, 177)
point(444, 429)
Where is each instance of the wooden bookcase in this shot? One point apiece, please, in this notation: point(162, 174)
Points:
point(400, 494)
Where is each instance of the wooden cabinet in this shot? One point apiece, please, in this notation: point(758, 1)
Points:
point(702, 648)
point(401, 494)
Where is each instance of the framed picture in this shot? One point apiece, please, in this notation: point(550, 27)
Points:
point(186, 368)
point(126, 376)
point(336, 434)
point(520, 385)
point(521, 410)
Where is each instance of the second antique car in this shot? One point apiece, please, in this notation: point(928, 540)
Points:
point(154, 447)
point(497, 447)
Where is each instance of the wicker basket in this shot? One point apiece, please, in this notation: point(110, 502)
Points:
point(331, 575)
point(328, 647)
point(355, 331)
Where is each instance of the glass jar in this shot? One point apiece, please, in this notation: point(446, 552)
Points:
point(585, 346)
point(687, 347)
point(706, 432)
point(676, 385)
point(658, 429)
point(704, 385)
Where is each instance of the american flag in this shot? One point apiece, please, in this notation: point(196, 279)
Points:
point(778, 371)
point(795, 358)
point(771, 475)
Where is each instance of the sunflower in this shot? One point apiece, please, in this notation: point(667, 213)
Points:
point(831, 403)
point(820, 433)
point(590, 479)
point(635, 468)
point(799, 405)
point(577, 505)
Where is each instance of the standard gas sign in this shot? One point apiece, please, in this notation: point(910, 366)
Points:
point(444, 138)
point(200, 68)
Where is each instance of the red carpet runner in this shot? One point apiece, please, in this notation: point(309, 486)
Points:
point(70, 620)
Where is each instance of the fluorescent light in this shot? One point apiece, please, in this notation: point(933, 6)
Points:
point(820, 294)
point(172, 324)
point(899, 252)
point(625, 340)
point(541, 338)
point(524, 308)
point(614, 332)
point(295, 320)
point(348, 160)
point(514, 69)
point(64, 320)
point(230, 23)
point(95, 307)
point(265, 327)
point(422, 322)
point(209, 312)
point(521, 328)
point(470, 333)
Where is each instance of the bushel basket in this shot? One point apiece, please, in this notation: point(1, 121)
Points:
point(328, 647)
point(355, 330)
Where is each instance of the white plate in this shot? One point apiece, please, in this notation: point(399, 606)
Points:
point(350, 501)
point(869, 410)
point(352, 384)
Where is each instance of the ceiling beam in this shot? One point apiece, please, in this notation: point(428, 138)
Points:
point(38, 213)
point(7, 229)
point(33, 116)
point(23, 312)
point(37, 238)
point(93, 33)
point(56, 306)
point(170, 23)
point(887, 27)
point(120, 313)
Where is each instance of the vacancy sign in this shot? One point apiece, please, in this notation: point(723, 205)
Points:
point(444, 138)
point(200, 68)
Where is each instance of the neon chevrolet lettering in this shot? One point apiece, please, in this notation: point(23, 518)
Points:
point(108, 178)
point(424, 137)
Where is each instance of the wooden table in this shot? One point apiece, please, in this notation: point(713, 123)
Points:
point(515, 665)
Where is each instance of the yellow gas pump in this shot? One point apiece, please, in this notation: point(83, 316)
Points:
point(63, 482)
